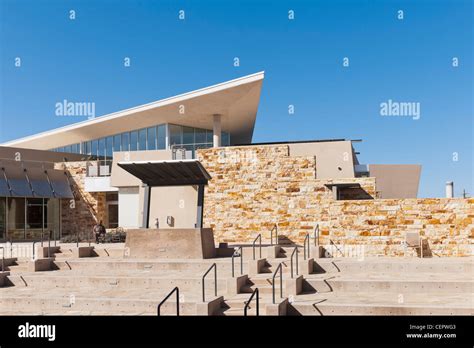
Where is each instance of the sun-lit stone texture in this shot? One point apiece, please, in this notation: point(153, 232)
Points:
point(88, 207)
point(254, 187)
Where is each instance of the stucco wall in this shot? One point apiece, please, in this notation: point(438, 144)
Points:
point(252, 188)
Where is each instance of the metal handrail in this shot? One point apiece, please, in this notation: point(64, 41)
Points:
point(295, 251)
point(316, 235)
point(77, 239)
point(259, 237)
point(332, 242)
point(49, 244)
point(281, 282)
point(3, 259)
point(11, 247)
point(256, 301)
point(42, 237)
point(306, 248)
point(215, 282)
point(275, 228)
point(158, 310)
point(241, 260)
point(34, 242)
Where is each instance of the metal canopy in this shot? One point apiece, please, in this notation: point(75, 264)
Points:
point(342, 185)
point(18, 179)
point(168, 173)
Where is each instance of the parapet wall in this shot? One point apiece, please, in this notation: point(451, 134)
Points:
point(254, 187)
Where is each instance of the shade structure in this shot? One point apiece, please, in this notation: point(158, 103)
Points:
point(20, 179)
point(168, 173)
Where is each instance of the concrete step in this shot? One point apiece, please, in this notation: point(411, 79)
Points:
point(396, 265)
point(393, 285)
point(71, 280)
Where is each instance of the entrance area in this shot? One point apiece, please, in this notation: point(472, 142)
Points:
point(27, 218)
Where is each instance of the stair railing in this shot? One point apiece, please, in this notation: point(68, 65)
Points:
point(176, 289)
point(295, 252)
point(34, 251)
point(275, 228)
point(11, 247)
point(3, 259)
point(279, 268)
point(259, 238)
point(306, 246)
point(247, 305)
point(77, 239)
point(337, 248)
point(241, 255)
point(49, 244)
point(316, 236)
point(203, 282)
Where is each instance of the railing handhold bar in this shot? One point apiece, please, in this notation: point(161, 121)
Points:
point(166, 298)
point(215, 282)
point(306, 248)
point(259, 237)
point(279, 268)
point(256, 301)
point(275, 228)
point(241, 260)
point(295, 251)
point(316, 235)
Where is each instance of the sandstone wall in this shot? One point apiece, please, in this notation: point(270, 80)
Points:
point(252, 188)
point(88, 207)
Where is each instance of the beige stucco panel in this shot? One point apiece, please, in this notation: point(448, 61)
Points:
point(396, 180)
point(333, 159)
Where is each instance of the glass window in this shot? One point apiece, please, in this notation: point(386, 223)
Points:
point(101, 153)
point(188, 135)
point(209, 134)
point(142, 139)
point(161, 137)
point(16, 218)
point(133, 141)
point(95, 147)
point(175, 134)
point(151, 138)
point(199, 135)
point(126, 141)
point(34, 218)
point(3, 217)
point(225, 139)
point(87, 148)
point(77, 148)
point(109, 149)
point(117, 143)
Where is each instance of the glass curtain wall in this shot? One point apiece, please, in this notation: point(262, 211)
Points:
point(26, 218)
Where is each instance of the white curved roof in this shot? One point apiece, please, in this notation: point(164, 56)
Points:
point(236, 100)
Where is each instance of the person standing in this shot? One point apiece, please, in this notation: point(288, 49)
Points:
point(99, 231)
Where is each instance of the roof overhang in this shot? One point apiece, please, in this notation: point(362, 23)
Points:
point(236, 101)
point(168, 173)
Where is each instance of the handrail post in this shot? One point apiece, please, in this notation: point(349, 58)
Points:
point(306, 248)
point(3, 259)
point(276, 234)
point(247, 305)
point(281, 282)
point(158, 310)
point(49, 244)
point(11, 247)
point(203, 281)
point(295, 250)
point(77, 239)
point(241, 261)
point(34, 242)
point(259, 237)
point(316, 236)
point(41, 239)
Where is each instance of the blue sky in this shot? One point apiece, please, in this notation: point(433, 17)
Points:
point(407, 60)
